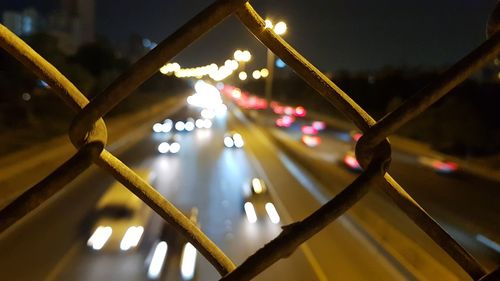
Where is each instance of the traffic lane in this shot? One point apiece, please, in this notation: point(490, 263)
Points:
point(84, 264)
point(98, 265)
point(75, 200)
point(422, 180)
point(212, 178)
point(472, 200)
point(336, 252)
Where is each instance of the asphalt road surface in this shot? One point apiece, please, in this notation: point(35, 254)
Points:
point(210, 177)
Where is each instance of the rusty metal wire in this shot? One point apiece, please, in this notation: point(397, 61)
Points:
point(89, 136)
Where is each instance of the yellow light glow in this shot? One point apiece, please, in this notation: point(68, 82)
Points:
point(238, 55)
point(257, 186)
point(268, 23)
point(264, 72)
point(280, 28)
point(246, 55)
point(242, 75)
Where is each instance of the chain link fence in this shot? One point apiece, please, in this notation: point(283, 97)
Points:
point(88, 134)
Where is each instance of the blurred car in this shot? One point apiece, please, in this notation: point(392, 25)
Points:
point(351, 162)
point(171, 146)
point(355, 135)
point(439, 165)
point(170, 246)
point(308, 130)
point(285, 121)
point(164, 127)
point(318, 125)
point(233, 139)
point(311, 141)
point(119, 220)
point(257, 202)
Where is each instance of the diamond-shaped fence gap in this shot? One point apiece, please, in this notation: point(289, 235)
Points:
point(149, 64)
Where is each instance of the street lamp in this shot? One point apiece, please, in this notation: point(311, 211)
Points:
point(279, 28)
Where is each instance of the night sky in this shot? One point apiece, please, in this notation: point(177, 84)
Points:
point(334, 35)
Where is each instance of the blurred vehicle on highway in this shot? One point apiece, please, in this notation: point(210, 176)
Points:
point(257, 202)
point(120, 218)
point(439, 165)
point(351, 162)
point(171, 249)
point(233, 139)
point(164, 127)
point(170, 146)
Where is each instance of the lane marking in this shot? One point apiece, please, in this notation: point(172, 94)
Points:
point(62, 264)
point(488, 242)
point(306, 250)
point(316, 191)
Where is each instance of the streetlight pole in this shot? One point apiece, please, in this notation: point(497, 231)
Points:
point(269, 80)
point(279, 29)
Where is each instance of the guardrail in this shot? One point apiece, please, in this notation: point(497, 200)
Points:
point(88, 134)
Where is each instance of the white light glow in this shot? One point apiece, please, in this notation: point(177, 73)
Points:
point(242, 75)
point(179, 126)
point(189, 126)
point(238, 140)
point(166, 127)
point(99, 237)
point(268, 23)
point(280, 28)
point(158, 128)
point(131, 238)
point(163, 147)
point(175, 147)
point(157, 261)
point(221, 110)
point(256, 74)
point(207, 123)
point(199, 123)
point(188, 261)
point(228, 142)
point(272, 213)
point(207, 113)
point(250, 211)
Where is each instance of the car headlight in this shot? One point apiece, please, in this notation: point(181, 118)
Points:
point(131, 238)
point(99, 237)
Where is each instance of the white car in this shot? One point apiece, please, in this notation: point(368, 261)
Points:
point(120, 220)
point(172, 243)
point(257, 202)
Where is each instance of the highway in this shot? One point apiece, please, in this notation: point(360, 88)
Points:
point(465, 205)
point(210, 177)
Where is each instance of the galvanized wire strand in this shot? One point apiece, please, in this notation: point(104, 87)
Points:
point(42, 68)
point(58, 83)
point(167, 211)
point(149, 64)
